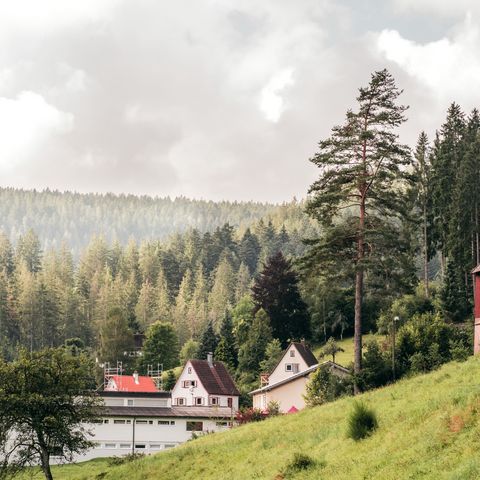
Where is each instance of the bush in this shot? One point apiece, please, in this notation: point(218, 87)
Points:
point(247, 415)
point(273, 408)
point(115, 461)
point(459, 351)
point(299, 462)
point(362, 421)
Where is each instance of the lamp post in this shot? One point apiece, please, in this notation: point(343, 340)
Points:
point(395, 320)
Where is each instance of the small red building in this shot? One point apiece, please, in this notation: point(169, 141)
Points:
point(476, 309)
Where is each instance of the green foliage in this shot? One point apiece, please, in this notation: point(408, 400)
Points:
point(208, 343)
point(299, 462)
point(116, 338)
point(273, 354)
point(170, 381)
point(160, 346)
point(252, 352)
point(377, 366)
point(189, 351)
point(362, 421)
point(276, 291)
point(331, 348)
point(46, 397)
point(226, 351)
point(325, 386)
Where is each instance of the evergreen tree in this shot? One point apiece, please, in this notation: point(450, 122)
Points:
point(115, 337)
point(226, 350)
point(252, 352)
point(276, 291)
point(422, 172)
point(249, 251)
point(208, 342)
point(273, 354)
point(221, 295)
point(170, 381)
point(361, 176)
point(160, 347)
point(145, 309)
point(162, 299)
point(243, 283)
point(29, 251)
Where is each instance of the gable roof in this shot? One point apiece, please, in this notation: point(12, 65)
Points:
point(215, 378)
point(126, 383)
point(305, 373)
point(305, 353)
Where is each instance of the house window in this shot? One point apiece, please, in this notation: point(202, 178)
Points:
point(166, 422)
point(198, 400)
point(125, 445)
point(291, 367)
point(140, 445)
point(106, 420)
point(155, 446)
point(189, 370)
point(180, 401)
point(119, 422)
point(130, 403)
point(110, 445)
point(169, 445)
point(224, 424)
point(214, 401)
point(189, 383)
point(230, 402)
point(142, 422)
point(292, 353)
point(194, 426)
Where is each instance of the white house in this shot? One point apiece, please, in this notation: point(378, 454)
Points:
point(204, 400)
point(286, 383)
point(205, 383)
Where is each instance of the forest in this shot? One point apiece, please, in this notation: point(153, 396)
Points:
point(242, 279)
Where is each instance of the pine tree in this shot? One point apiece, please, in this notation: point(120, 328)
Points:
point(359, 194)
point(208, 342)
point(422, 172)
point(226, 351)
point(170, 381)
point(163, 305)
point(145, 309)
point(249, 251)
point(276, 291)
point(29, 251)
point(221, 295)
point(160, 347)
point(273, 354)
point(243, 283)
point(252, 352)
point(115, 337)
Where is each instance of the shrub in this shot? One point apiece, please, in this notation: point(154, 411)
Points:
point(247, 415)
point(115, 461)
point(299, 462)
point(273, 408)
point(361, 422)
point(459, 351)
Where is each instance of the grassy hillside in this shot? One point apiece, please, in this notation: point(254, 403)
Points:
point(429, 428)
point(346, 357)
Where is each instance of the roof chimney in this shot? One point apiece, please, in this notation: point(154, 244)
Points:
point(210, 359)
point(135, 377)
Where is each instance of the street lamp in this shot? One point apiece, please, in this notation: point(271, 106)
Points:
point(395, 320)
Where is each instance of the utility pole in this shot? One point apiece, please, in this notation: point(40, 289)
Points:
point(395, 320)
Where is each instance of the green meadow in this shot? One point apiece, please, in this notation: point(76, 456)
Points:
point(428, 429)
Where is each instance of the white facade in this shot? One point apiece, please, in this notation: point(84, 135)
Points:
point(147, 423)
point(189, 391)
point(291, 363)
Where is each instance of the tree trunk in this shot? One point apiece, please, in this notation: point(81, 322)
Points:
point(357, 364)
point(425, 251)
point(45, 465)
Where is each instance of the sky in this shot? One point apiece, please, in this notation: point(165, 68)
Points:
point(213, 99)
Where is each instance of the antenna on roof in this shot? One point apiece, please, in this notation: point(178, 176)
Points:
point(156, 375)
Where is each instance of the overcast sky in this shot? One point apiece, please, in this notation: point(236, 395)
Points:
point(215, 99)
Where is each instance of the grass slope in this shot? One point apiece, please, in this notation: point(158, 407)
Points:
point(429, 428)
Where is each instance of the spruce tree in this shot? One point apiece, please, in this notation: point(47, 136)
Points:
point(208, 342)
point(276, 291)
point(226, 351)
point(359, 196)
point(160, 347)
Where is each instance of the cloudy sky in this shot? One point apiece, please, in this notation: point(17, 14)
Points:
point(215, 99)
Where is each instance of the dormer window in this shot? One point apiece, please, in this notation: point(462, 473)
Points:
point(292, 352)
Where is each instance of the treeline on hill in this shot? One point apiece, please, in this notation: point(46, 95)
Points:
point(192, 281)
point(75, 218)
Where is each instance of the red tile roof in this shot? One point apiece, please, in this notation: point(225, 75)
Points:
point(126, 383)
point(215, 379)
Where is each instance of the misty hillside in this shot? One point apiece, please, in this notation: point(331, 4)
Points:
point(74, 218)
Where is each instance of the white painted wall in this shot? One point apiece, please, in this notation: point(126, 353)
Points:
point(280, 373)
point(114, 439)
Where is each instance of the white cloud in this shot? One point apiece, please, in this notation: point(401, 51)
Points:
point(449, 67)
point(47, 15)
point(438, 7)
point(271, 102)
point(26, 122)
